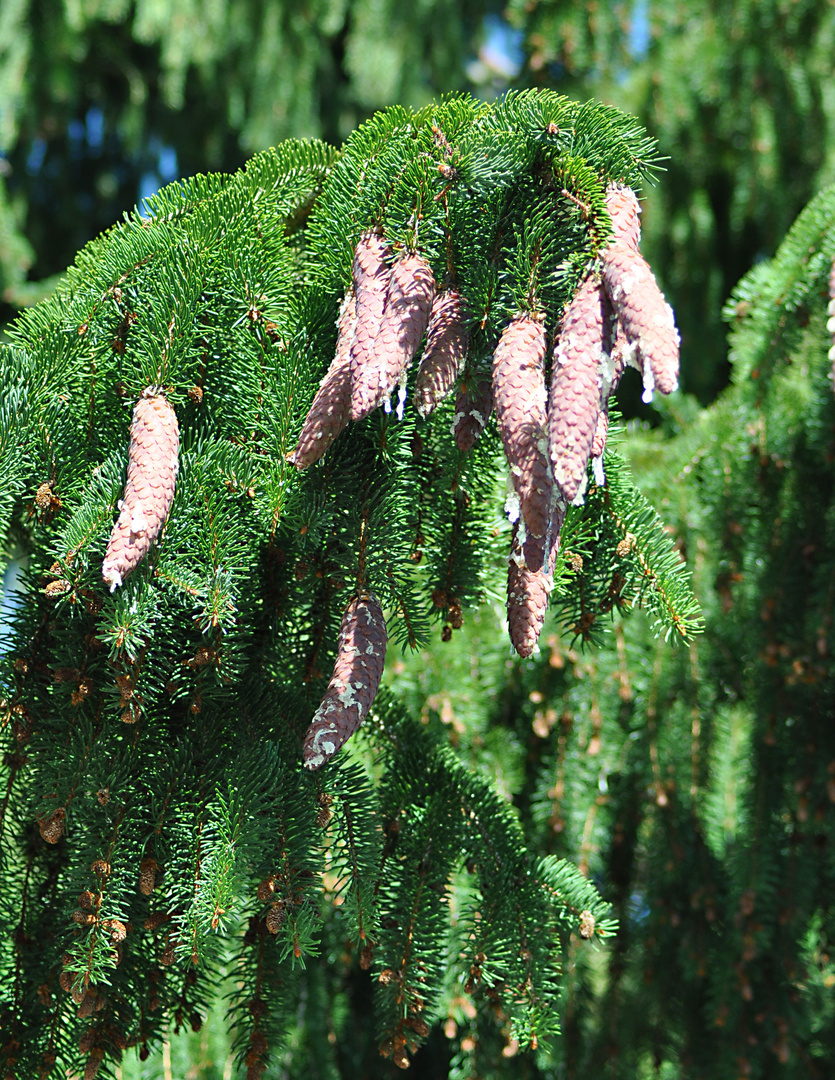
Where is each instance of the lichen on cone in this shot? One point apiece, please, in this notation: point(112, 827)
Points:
point(473, 406)
point(581, 351)
point(645, 316)
point(153, 463)
point(382, 350)
point(360, 655)
point(447, 338)
point(330, 409)
point(624, 210)
point(519, 398)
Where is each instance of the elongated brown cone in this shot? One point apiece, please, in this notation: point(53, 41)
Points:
point(830, 324)
point(528, 591)
point(519, 398)
point(330, 409)
point(377, 364)
point(371, 274)
point(473, 406)
point(581, 352)
point(360, 654)
point(152, 473)
point(447, 338)
point(624, 209)
point(646, 317)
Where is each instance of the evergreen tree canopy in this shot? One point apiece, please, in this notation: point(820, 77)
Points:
point(159, 832)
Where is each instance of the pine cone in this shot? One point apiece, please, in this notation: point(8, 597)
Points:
point(360, 653)
point(330, 409)
point(528, 591)
point(447, 338)
point(624, 209)
point(646, 317)
point(582, 350)
point(519, 398)
point(601, 433)
point(473, 405)
point(382, 350)
point(149, 491)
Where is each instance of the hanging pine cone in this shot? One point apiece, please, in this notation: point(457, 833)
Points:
point(360, 653)
point(383, 349)
point(330, 409)
point(473, 406)
point(528, 591)
point(646, 317)
point(447, 338)
point(519, 398)
point(149, 491)
point(624, 210)
point(581, 351)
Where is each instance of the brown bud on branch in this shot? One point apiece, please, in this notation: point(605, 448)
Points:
point(360, 654)
point(152, 472)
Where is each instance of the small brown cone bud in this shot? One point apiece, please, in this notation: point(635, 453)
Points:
point(528, 591)
point(583, 346)
point(473, 406)
point(519, 398)
point(376, 372)
point(275, 916)
point(624, 210)
point(52, 827)
point(149, 491)
point(646, 318)
point(447, 338)
point(361, 652)
point(147, 875)
point(331, 407)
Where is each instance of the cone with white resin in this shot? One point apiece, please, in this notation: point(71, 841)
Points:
point(447, 338)
point(519, 398)
point(624, 210)
point(473, 406)
point(645, 316)
point(529, 591)
point(381, 354)
point(331, 407)
point(360, 654)
point(153, 462)
point(581, 355)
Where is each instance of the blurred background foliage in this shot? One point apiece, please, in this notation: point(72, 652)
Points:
point(101, 101)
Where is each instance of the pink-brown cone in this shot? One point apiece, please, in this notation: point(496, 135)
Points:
point(371, 275)
point(646, 317)
point(360, 654)
point(447, 338)
point(528, 591)
point(376, 367)
point(330, 409)
point(519, 398)
point(582, 350)
point(473, 406)
point(152, 472)
point(624, 210)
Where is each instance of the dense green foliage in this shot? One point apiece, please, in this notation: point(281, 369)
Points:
point(160, 835)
